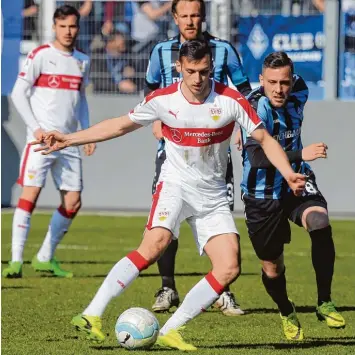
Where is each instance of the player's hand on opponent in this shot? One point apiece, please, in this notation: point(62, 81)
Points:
point(297, 183)
point(51, 142)
point(238, 139)
point(89, 149)
point(314, 151)
point(157, 131)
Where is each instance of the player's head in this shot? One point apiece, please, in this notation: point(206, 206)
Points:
point(195, 64)
point(188, 16)
point(276, 78)
point(66, 25)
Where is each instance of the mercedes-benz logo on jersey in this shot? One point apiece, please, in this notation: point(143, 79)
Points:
point(258, 41)
point(53, 81)
point(176, 135)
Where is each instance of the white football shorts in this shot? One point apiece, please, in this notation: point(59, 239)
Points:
point(207, 217)
point(64, 165)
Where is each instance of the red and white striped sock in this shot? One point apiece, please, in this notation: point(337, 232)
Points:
point(58, 226)
point(199, 298)
point(118, 279)
point(20, 228)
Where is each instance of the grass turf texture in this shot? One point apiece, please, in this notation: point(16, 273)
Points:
point(36, 310)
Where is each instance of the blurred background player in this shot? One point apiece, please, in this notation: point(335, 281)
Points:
point(269, 204)
point(189, 16)
point(50, 94)
point(203, 205)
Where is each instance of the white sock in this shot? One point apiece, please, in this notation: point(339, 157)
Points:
point(59, 225)
point(199, 298)
point(120, 277)
point(20, 228)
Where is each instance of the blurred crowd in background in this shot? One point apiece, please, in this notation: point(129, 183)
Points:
point(119, 35)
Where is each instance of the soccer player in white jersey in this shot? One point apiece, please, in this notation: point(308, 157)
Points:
point(50, 94)
point(198, 117)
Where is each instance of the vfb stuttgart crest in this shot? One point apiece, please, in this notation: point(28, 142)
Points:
point(216, 113)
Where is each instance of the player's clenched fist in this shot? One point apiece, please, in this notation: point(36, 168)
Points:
point(51, 142)
point(89, 149)
point(314, 151)
point(297, 183)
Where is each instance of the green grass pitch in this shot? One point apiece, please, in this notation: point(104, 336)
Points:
point(36, 310)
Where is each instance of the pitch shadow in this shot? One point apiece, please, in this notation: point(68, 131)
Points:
point(299, 309)
point(15, 287)
point(282, 346)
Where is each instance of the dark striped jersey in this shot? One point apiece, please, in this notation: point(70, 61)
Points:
point(284, 124)
point(161, 71)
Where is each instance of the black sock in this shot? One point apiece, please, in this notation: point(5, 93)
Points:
point(166, 265)
point(323, 257)
point(276, 288)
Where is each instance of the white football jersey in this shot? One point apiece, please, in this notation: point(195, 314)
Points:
point(196, 136)
point(57, 78)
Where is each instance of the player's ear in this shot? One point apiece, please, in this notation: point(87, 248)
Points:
point(178, 66)
point(261, 79)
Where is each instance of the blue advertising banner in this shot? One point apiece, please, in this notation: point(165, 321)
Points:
point(347, 58)
point(10, 51)
point(301, 37)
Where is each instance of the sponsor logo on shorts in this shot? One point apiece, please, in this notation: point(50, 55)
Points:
point(31, 174)
point(163, 215)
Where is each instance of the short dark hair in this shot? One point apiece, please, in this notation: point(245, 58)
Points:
point(195, 49)
point(278, 60)
point(201, 2)
point(64, 11)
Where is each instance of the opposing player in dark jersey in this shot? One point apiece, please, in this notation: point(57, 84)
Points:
point(269, 204)
point(188, 16)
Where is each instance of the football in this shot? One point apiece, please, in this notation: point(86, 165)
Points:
point(136, 328)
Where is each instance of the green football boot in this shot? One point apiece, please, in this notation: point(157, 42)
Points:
point(292, 326)
point(51, 266)
point(327, 312)
point(91, 326)
point(13, 271)
point(174, 340)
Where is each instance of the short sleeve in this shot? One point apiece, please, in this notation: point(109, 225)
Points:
point(145, 112)
point(31, 70)
point(153, 75)
point(245, 115)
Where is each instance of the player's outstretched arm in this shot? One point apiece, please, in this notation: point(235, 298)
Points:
point(102, 131)
point(279, 159)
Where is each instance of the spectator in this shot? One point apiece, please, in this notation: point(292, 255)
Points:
point(111, 69)
point(307, 7)
point(29, 14)
point(147, 16)
point(117, 17)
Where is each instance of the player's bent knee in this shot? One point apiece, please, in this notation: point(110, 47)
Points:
point(273, 269)
point(71, 200)
point(315, 218)
point(227, 272)
point(154, 242)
